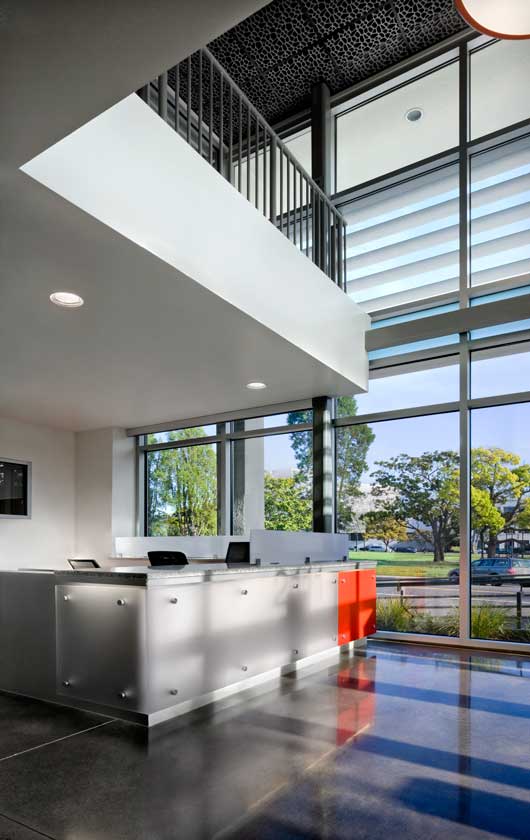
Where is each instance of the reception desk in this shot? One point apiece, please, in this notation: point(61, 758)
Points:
point(149, 644)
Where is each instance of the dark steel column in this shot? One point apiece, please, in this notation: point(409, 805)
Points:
point(322, 466)
point(321, 137)
point(320, 165)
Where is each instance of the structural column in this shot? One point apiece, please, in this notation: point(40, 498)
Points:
point(320, 167)
point(322, 466)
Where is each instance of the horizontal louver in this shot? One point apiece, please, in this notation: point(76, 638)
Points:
point(403, 242)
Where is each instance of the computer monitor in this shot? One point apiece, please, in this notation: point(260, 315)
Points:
point(80, 565)
point(167, 558)
point(238, 552)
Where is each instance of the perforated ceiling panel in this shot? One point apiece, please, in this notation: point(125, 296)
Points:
point(278, 54)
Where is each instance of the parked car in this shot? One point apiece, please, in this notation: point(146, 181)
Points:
point(404, 548)
point(493, 569)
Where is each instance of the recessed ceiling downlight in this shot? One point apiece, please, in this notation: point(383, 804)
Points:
point(414, 115)
point(68, 300)
point(256, 386)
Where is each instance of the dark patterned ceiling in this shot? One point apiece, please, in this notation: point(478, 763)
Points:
point(278, 54)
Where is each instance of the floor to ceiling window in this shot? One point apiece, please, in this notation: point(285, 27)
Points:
point(397, 487)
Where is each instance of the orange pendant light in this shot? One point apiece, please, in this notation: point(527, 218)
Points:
point(500, 18)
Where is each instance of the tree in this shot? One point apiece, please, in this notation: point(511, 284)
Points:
point(381, 525)
point(182, 489)
point(484, 514)
point(353, 443)
point(422, 490)
point(500, 477)
point(287, 505)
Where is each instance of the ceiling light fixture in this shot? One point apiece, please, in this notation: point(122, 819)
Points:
point(256, 386)
point(414, 115)
point(509, 19)
point(68, 300)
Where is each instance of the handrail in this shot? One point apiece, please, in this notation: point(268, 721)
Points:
point(200, 101)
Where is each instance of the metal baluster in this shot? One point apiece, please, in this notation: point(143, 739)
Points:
point(221, 155)
point(199, 127)
point(345, 265)
point(281, 190)
point(210, 133)
point(162, 95)
point(265, 191)
point(188, 104)
point(301, 210)
point(272, 180)
point(288, 196)
point(177, 97)
point(239, 145)
point(249, 150)
point(327, 238)
point(294, 205)
point(307, 218)
point(256, 167)
point(231, 130)
point(143, 93)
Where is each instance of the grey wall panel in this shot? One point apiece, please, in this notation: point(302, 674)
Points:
point(101, 644)
point(27, 633)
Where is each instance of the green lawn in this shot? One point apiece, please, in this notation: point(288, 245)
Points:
point(408, 565)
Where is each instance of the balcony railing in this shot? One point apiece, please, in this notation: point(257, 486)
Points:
point(205, 107)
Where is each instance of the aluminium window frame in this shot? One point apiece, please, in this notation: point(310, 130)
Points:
point(462, 354)
point(222, 440)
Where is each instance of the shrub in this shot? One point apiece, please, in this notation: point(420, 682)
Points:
point(487, 621)
point(392, 614)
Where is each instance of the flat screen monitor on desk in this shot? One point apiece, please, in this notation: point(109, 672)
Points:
point(238, 553)
point(81, 565)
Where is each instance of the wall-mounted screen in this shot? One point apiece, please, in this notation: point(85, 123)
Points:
point(14, 488)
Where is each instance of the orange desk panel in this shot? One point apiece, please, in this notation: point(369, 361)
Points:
point(356, 608)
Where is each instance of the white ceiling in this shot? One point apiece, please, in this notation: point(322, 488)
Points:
point(150, 344)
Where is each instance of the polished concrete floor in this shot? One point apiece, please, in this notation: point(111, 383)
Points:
point(403, 742)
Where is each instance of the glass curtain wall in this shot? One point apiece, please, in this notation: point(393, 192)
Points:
point(397, 489)
point(441, 495)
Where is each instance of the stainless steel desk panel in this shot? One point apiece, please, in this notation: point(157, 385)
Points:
point(316, 619)
point(101, 644)
point(206, 636)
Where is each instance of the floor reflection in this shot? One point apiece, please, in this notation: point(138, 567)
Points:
point(401, 742)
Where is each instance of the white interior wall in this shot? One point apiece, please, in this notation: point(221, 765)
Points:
point(105, 491)
point(47, 539)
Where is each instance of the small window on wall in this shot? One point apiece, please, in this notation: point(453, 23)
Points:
point(14, 489)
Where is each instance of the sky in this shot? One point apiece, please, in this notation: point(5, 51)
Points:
point(505, 426)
